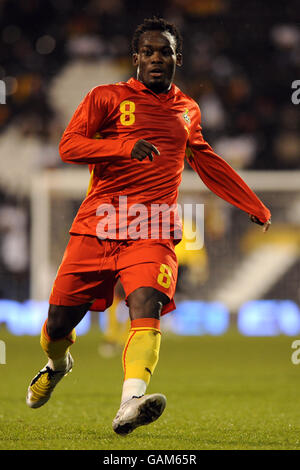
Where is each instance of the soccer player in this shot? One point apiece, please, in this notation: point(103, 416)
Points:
point(134, 136)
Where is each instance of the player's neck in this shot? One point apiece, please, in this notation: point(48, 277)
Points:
point(156, 89)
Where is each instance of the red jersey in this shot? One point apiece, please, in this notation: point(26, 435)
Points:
point(102, 133)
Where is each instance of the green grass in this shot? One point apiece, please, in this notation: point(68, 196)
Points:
point(228, 392)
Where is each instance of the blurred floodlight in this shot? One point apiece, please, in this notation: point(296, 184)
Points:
point(288, 317)
point(269, 318)
point(191, 318)
point(285, 35)
point(197, 318)
point(28, 317)
point(11, 34)
point(45, 45)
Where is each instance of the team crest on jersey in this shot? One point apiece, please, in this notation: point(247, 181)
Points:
point(186, 116)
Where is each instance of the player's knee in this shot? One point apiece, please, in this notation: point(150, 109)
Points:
point(62, 319)
point(146, 302)
point(57, 326)
point(146, 310)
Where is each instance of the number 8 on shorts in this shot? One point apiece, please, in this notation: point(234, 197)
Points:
point(165, 276)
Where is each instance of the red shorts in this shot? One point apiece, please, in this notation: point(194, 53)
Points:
point(91, 267)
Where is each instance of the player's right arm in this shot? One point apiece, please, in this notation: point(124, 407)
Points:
point(78, 145)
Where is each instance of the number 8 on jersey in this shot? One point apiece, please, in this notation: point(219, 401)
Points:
point(127, 109)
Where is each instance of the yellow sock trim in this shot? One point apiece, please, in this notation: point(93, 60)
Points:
point(141, 353)
point(55, 349)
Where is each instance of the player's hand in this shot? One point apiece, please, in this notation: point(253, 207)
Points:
point(265, 225)
point(143, 149)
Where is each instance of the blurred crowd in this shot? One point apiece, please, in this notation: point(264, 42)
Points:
point(240, 59)
point(239, 64)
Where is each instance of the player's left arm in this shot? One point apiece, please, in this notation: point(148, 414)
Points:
point(222, 179)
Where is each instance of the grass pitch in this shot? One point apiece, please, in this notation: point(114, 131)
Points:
point(228, 392)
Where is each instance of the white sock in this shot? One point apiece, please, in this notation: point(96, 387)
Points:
point(133, 388)
point(58, 364)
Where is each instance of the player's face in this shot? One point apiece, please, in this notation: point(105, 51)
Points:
point(156, 60)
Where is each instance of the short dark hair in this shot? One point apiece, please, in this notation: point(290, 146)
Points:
point(156, 24)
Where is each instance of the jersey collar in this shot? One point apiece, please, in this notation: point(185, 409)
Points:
point(137, 85)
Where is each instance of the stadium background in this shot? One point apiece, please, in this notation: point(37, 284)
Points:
point(240, 59)
point(239, 65)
